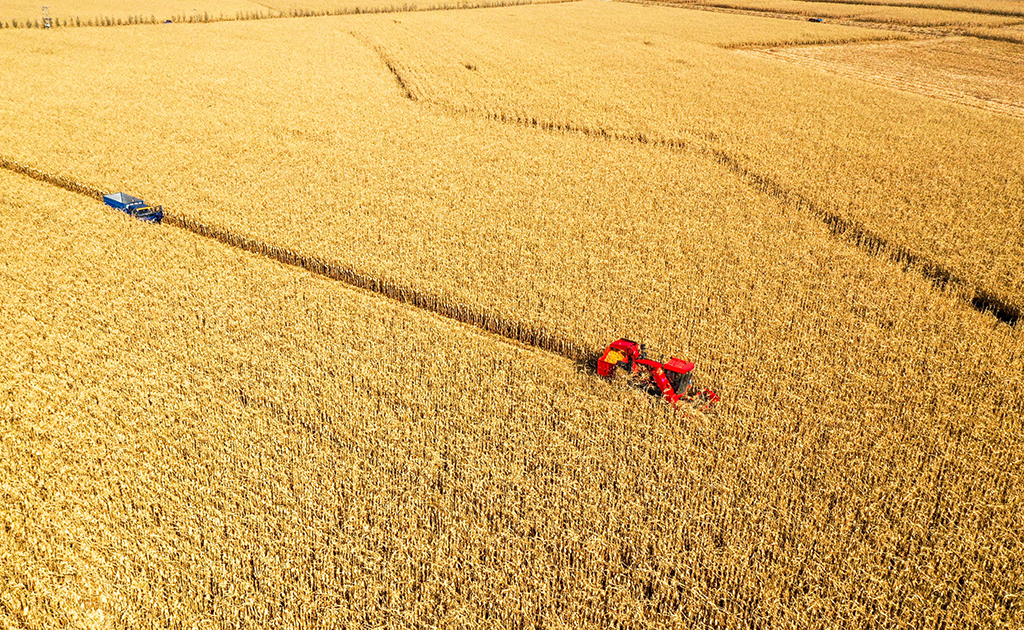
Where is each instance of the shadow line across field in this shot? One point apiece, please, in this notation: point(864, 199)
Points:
point(844, 229)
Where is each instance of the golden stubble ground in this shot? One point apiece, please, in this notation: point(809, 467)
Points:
point(882, 15)
point(979, 73)
point(195, 436)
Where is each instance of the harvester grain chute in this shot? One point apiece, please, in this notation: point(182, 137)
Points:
point(672, 379)
point(133, 206)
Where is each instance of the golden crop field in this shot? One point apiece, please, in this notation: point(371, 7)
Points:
point(195, 434)
point(338, 150)
point(25, 13)
point(894, 14)
point(996, 7)
point(980, 73)
point(288, 7)
point(930, 176)
point(85, 10)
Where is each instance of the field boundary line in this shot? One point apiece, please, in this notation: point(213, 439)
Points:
point(843, 229)
point(900, 37)
point(508, 329)
point(934, 31)
point(389, 63)
point(995, 37)
point(56, 180)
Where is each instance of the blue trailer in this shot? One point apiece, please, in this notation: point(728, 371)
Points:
point(135, 207)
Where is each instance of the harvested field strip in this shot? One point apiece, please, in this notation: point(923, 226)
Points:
point(290, 13)
point(497, 325)
point(988, 9)
point(1007, 108)
point(844, 229)
point(800, 17)
point(998, 35)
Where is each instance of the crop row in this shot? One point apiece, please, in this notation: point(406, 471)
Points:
point(206, 17)
point(843, 228)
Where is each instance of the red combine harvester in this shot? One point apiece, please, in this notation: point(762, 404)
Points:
point(672, 379)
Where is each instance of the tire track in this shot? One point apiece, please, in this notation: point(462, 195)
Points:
point(390, 64)
point(843, 229)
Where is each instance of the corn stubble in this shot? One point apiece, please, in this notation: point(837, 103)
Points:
point(988, 73)
point(253, 445)
point(876, 14)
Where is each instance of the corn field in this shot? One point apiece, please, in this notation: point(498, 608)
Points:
point(348, 381)
point(924, 17)
point(104, 14)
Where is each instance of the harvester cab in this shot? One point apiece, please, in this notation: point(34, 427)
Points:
point(672, 379)
point(679, 375)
